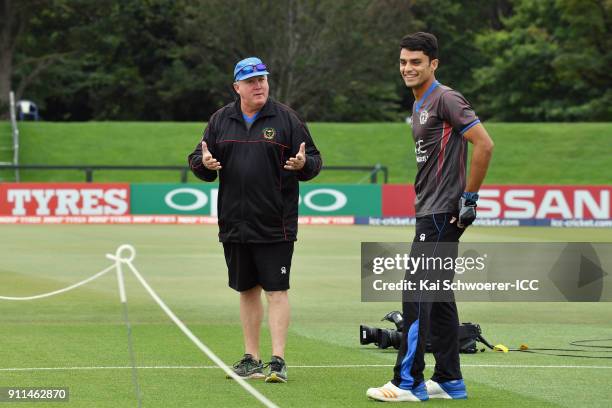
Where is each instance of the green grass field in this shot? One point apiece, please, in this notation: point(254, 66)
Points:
point(535, 153)
point(6, 142)
point(184, 264)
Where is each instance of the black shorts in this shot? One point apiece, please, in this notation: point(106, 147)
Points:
point(267, 265)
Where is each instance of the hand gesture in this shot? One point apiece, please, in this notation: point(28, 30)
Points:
point(297, 162)
point(208, 160)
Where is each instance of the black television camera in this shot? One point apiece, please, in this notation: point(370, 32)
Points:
point(384, 338)
point(469, 334)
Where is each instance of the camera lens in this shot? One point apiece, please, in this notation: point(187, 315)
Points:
point(367, 335)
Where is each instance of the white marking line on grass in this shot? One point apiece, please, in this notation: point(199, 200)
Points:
point(291, 366)
point(530, 366)
point(462, 365)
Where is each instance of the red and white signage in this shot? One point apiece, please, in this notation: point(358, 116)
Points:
point(64, 199)
point(102, 203)
point(112, 219)
point(517, 202)
point(155, 219)
point(552, 202)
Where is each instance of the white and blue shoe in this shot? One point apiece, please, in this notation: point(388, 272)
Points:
point(454, 389)
point(391, 393)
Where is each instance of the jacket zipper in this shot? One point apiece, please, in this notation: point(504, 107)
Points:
point(242, 187)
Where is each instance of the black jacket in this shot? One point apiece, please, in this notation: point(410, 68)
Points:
point(258, 198)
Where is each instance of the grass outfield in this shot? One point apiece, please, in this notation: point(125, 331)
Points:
point(535, 153)
point(184, 264)
point(6, 142)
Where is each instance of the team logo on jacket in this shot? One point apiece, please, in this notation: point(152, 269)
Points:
point(423, 117)
point(269, 133)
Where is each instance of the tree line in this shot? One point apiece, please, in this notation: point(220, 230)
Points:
point(331, 60)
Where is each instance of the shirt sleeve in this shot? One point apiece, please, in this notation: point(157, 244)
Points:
point(195, 158)
point(457, 111)
point(313, 164)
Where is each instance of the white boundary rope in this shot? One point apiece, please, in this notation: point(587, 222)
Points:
point(60, 291)
point(120, 259)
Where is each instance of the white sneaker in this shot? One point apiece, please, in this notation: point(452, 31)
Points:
point(390, 393)
point(454, 389)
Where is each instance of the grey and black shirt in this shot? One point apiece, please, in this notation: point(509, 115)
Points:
point(439, 120)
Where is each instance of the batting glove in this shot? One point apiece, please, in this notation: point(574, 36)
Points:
point(467, 209)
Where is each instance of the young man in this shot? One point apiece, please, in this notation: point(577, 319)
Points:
point(260, 149)
point(442, 123)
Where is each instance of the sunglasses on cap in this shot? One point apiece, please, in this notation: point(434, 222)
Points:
point(251, 68)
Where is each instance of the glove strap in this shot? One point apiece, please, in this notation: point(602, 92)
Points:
point(470, 196)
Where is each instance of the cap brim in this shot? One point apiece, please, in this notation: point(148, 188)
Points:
point(252, 74)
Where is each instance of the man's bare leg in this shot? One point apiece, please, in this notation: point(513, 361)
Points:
point(278, 319)
point(251, 316)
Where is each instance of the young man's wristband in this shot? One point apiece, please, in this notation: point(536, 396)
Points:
point(473, 197)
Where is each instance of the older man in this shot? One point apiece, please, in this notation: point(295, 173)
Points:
point(260, 149)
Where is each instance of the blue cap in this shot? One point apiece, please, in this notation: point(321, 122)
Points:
point(241, 74)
